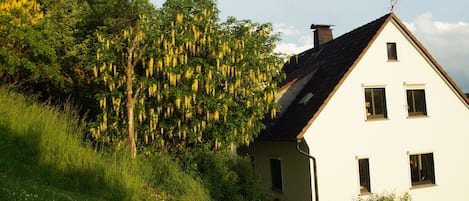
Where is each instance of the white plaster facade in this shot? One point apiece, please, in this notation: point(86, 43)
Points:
point(340, 133)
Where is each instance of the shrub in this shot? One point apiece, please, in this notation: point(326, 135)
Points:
point(384, 197)
point(227, 177)
point(169, 181)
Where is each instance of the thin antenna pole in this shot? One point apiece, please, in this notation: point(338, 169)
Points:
point(393, 4)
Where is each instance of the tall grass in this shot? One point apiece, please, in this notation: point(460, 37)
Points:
point(42, 144)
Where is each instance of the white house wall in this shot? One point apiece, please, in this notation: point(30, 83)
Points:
point(341, 133)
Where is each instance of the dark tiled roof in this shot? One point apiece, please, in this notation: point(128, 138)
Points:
point(467, 95)
point(331, 61)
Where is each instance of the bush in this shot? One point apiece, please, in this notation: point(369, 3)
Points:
point(227, 177)
point(169, 181)
point(384, 197)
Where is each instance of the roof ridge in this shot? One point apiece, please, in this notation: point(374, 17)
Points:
point(292, 74)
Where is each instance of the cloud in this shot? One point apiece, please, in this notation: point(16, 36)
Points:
point(305, 42)
point(448, 43)
point(286, 30)
point(293, 40)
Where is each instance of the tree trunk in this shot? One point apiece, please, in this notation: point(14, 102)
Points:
point(130, 107)
point(131, 97)
point(131, 130)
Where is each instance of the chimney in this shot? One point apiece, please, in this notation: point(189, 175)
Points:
point(322, 34)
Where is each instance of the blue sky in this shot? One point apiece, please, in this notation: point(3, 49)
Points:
point(442, 26)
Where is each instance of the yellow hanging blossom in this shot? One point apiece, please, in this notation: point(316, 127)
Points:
point(195, 85)
point(30, 11)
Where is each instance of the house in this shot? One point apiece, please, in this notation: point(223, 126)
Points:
point(369, 112)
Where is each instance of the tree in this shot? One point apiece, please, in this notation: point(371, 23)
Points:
point(25, 53)
point(194, 81)
point(118, 73)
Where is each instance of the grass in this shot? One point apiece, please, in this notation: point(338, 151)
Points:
point(42, 156)
point(12, 188)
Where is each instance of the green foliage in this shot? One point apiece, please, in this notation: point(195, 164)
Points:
point(195, 82)
point(384, 197)
point(45, 57)
point(113, 16)
point(227, 177)
point(26, 54)
point(168, 179)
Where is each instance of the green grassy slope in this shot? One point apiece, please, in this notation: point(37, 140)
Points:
point(41, 155)
point(13, 188)
point(41, 144)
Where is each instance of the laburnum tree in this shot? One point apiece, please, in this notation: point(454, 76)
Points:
point(182, 79)
point(122, 58)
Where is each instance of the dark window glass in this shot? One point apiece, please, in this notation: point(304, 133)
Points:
point(416, 102)
point(276, 174)
point(422, 169)
point(364, 171)
point(392, 52)
point(375, 103)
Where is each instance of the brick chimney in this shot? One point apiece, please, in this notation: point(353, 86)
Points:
point(322, 34)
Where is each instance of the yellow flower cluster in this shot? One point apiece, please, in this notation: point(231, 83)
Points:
point(30, 9)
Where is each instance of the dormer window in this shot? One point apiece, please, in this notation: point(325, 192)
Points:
point(392, 51)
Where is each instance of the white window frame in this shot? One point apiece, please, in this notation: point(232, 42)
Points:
point(415, 86)
point(395, 52)
point(409, 171)
point(358, 158)
point(366, 86)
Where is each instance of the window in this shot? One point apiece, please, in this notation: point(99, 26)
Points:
point(416, 102)
point(276, 174)
point(375, 103)
point(422, 170)
point(392, 52)
point(364, 173)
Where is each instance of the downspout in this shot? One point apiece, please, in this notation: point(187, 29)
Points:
point(315, 177)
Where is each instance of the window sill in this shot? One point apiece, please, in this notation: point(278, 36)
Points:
point(393, 60)
point(365, 193)
point(376, 119)
point(420, 186)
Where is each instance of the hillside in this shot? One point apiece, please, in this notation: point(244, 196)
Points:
point(43, 158)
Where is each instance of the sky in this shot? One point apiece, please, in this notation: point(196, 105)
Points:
point(441, 26)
